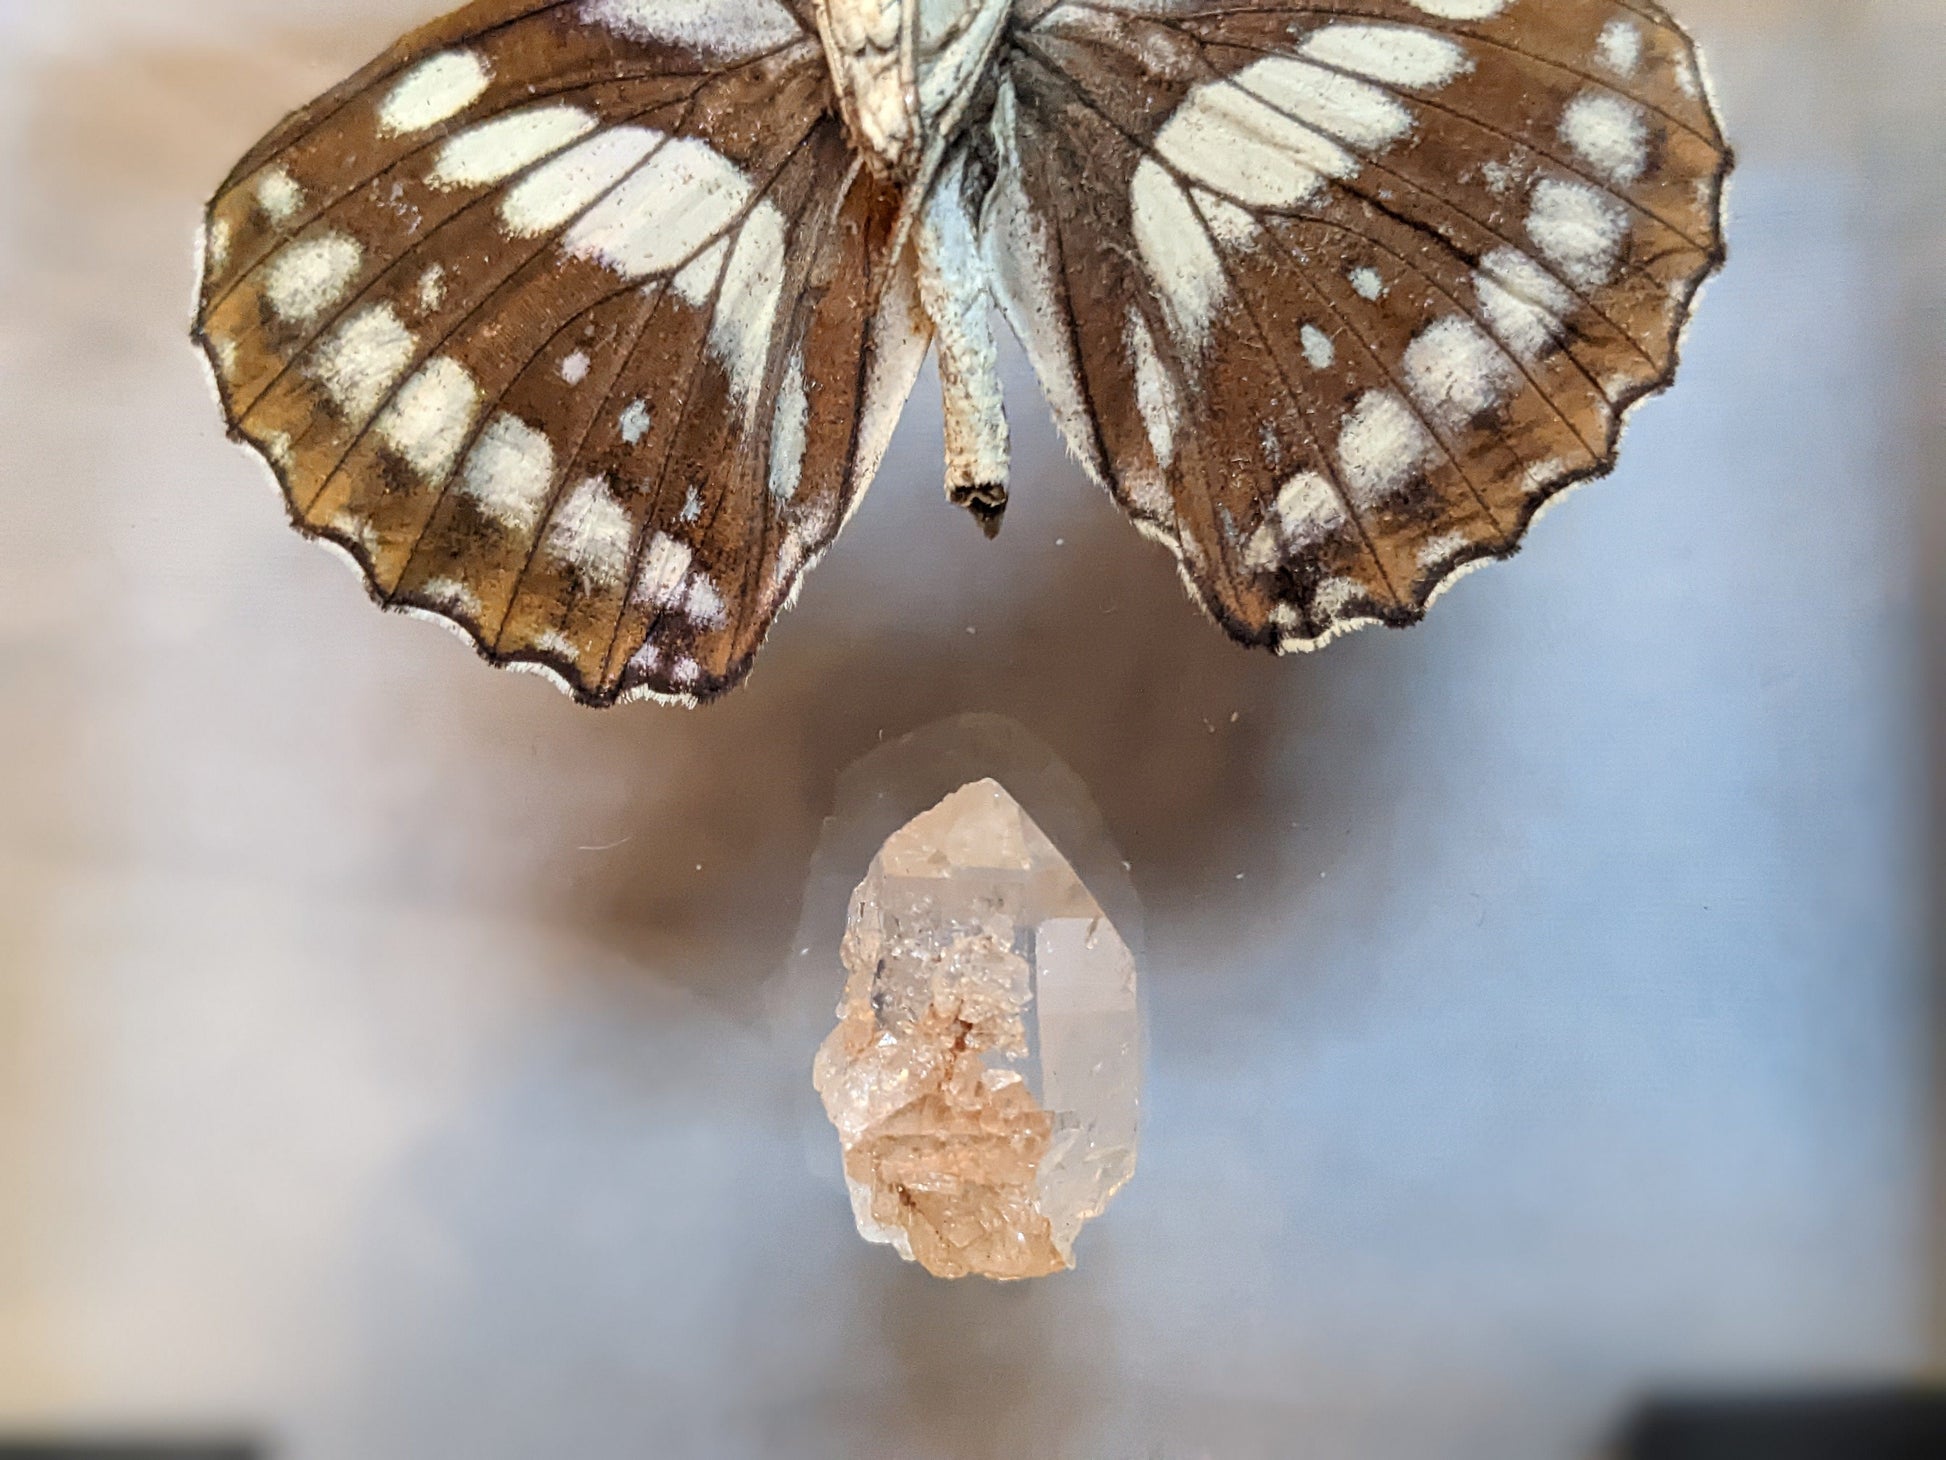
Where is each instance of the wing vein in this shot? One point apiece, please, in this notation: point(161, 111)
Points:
point(1326, 456)
point(1426, 23)
point(1104, 464)
point(781, 343)
point(1371, 351)
point(486, 412)
point(1379, 206)
point(651, 516)
point(653, 298)
point(1189, 186)
point(474, 313)
point(434, 141)
point(1403, 94)
point(1302, 411)
point(1483, 324)
point(541, 244)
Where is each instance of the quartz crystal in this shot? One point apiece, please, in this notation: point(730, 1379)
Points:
point(985, 1073)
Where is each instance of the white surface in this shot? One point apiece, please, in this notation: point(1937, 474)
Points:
point(387, 1062)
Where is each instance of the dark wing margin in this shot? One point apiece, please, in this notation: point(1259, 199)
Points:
point(574, 325)
point(1335, 297)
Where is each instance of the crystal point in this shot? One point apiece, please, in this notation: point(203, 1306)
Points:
point(984, 1077)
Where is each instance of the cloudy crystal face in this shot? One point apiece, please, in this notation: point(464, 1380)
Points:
point(985, 1073)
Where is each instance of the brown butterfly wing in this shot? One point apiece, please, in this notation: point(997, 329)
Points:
point(1336, 297)
point(577, 336)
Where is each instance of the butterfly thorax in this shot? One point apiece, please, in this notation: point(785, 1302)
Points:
point(906, 72)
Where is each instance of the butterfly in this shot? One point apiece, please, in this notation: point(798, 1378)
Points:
point(583, 324)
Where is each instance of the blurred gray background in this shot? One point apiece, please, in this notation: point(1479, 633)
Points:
point(1543, 1009)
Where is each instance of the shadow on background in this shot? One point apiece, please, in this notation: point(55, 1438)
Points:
point(687, 849)
point(1864, 1426)
point(371, 762)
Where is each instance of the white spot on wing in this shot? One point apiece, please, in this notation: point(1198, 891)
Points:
point(1335, 595)
point(1178, 254)
point(696, 280)
point(574, 368)
point(572, 182)
point(1523, 302)
point(1231, 225)
point(664, 566)
point(359, 528)
point(1155, 392)
point(1334, 606)
point(1225, 136)
point(1341, 106)
point(787, 433)
point(279, 196)
point(1395, 54)
point(508, 472)
point(901, 332)
point(593, 533)
point(1580, 228)
point(496, 150)
point(1150, 497)
point(1443, 549)
point(1367, 283)
point(432, 91)
point(1455, 370)
point(1688, 80)
point(432, 288)
point(1620, 47)
point(710, 27)
point(670, 207)
point(791, 555)
point(553, 641)
point(216, 246)
point(1461, 9)
point(1609, 133)
point(362, 359)
point(452, 595)
point(746, 306)
point(428, 420)
point(1318, 348)
point(704, 604)
point(635, 422)
point(1381, 446)
point(1309, 507)
point(1545, 474)
point(307, 278)
point(1307, 510)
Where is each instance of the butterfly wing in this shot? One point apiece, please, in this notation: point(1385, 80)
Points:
point(1335, 297)
point(573, 324)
